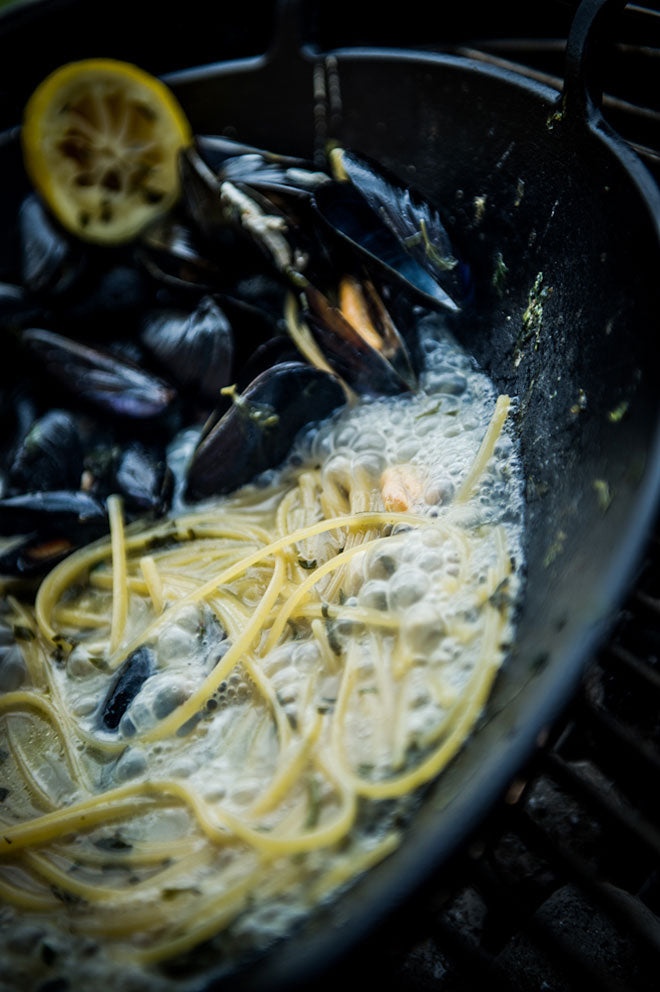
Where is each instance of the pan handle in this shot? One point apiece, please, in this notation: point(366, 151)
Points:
point(582, 93)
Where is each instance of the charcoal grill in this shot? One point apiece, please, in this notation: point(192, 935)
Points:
point(560, 886)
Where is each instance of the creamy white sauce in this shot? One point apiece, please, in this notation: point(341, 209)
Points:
point(436, 434)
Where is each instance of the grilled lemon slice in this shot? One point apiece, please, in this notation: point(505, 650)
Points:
point(100, 143)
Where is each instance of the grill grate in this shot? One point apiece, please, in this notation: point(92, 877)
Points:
point(560, 889)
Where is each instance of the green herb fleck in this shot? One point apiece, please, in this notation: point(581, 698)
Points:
point(308, 563)
point(532, 318)
point(430, 413)
point(619, 412)
point(3, 793)
point(499, 273)
point(603, 494)
point(501, 599)
point(22, 633)
point(112, 843)
point(555, 549)
point(333, 640)
point(174, 893)
point(581, 403)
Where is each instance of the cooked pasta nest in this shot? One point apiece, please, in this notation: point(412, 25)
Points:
point(277, 776)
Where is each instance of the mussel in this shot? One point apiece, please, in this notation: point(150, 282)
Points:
point(256, 432)
point(269, 296)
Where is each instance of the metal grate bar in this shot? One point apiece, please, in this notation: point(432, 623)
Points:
point(625, 819)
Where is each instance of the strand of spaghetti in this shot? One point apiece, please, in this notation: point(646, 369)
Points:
point(485, 449)
point(218, 824)
point(206, 921)
point(66, 616)
point(266, 689)
point(290, 767)
point(22, 899)
point(22, 618)
point(352, 866)
point(80, 561)
point(303, 589)
point(135, 855)
point(77, 817)
point(154, 582)
point(308, 840)
point(119, 587)
point(93, 892)
point(464, 712)
point(21, 699)
point(29, 781)
point(84, 559)
point(240, 646)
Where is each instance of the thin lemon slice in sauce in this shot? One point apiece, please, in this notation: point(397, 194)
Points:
point(100, 142)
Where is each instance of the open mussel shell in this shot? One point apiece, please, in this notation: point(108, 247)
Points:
point(195, 348)
point(367, 352)
point(410, 217)
point(348, 221)
point(217, 151)
point(106, 381)
point(257, 432)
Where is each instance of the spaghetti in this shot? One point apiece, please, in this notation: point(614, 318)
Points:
point(215, 703)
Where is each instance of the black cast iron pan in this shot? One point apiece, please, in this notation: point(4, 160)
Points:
point(561, 223)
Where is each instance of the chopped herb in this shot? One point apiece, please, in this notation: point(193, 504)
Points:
point(158, 541)
point(342, 596)
point(67, 897)
point(500, 598)
point(366, 689)
point(532, 318)
point(169, 894)
point(112, 843)
point(308, 563)
point(430, 413)
point(555, 549)
point(325, 611)
point(22, 633)
point(333, 640)
point(3, 793)
point(618, 413)
point(499, 273)
point(603, 494)
point(295, 630)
